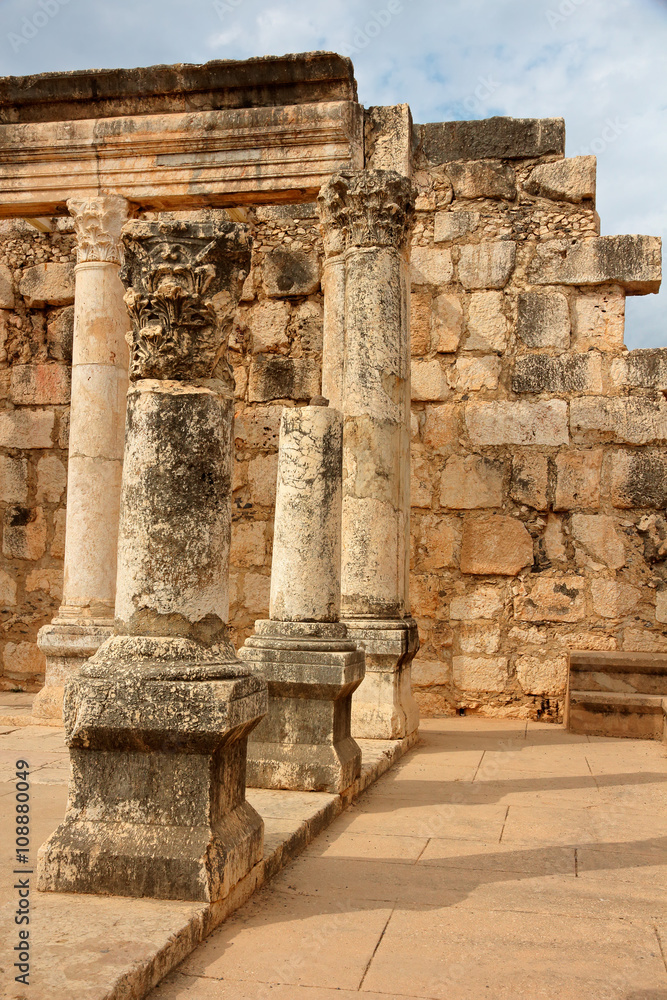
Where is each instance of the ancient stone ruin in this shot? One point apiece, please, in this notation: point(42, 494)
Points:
point(446, 473)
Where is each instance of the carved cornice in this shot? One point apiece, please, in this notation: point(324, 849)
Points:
point(183, 283)
point(366, 208)
point(98, 222)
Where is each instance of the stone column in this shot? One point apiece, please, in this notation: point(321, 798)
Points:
point(97, 432)
point(333, 286)
point(373, 210)
point(311, 667)
point(157, 721)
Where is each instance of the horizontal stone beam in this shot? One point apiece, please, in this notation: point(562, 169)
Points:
point(492, 138)
point(179, 161)
point(631, 261)
point(267, 81)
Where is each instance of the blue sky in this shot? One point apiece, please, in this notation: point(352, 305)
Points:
point(600, 64)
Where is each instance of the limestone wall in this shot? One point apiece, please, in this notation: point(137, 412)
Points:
point(538, 478)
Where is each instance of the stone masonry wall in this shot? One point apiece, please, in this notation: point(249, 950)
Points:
point(538, 496)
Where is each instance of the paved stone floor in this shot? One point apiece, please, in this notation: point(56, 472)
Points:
point(498, 859)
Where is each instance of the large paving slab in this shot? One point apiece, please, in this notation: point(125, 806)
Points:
point(500, 859)
point(118, 948)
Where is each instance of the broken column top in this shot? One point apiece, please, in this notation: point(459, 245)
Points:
point(269, 81)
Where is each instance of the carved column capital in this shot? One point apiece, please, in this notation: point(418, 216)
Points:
point(366, 208)
point(183, 281)
point(98, 222)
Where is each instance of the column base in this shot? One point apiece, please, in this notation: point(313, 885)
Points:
point(383, 707)
point(304, 742)
point(67, 646)
point(156, 803)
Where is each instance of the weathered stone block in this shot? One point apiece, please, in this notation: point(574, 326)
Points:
point(428, 381)
point(23, 659)
point(661, 606)
point(437, 542)
point(578, 479)
point(554, 540)
point(639, 479)
point(47, 284)
point(441, 426)
point(597, 534)
point(268, 326)
point(613, 599)
point(50, 581)
point(450, 226)
point(24, 533)
point(39, 384)
point(653, 530)
point(630, 261)
point(58, 540)
point(565, 180)
point(492, 138)
point(262, 477)
point(487, 265)
point(431, 266)
point(429, 673)
point(541, 423)
point(420, 321)
point(446, 323)
point(8, 590)
point(543, 320)
point(427, 593)
point(473, 374)
point(598, 320)
point(306, 325)
point(484, 601)
point(558, 599)
point(541, 675)
point(479, 673)
point(471, 481)
point(482, 179)
point(51, 479)
point(273, 377)
point(421, 487)
point(258, 428)
point(60, 333)
point(479, 638)
point(495, 545)
point(529, 480)
point(487, 323)
point(644, 369)
point(248, 546)
point(568, 373)
point(6, 288)
point(628, 420)
point(13, 480)
point(290, 272)
point(388, 138)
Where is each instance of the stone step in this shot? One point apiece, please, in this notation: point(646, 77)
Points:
point(612, 713)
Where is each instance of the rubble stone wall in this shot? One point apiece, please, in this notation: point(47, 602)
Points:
point(538, 462)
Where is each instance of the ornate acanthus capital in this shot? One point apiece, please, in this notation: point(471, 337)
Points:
point(183, 281)
point(366, 208)
point(98, 222)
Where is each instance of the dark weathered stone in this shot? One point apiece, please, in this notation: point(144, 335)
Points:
point(290, 272)
point(639, 479)
point(273, 377)
point(492, 138)
point(223, 83)
point(567, 373)
point(645, 369)
point(543, 319)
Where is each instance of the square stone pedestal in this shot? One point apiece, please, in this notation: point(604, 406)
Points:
point(157, 790)
point(383, 707)
point(304, 742)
